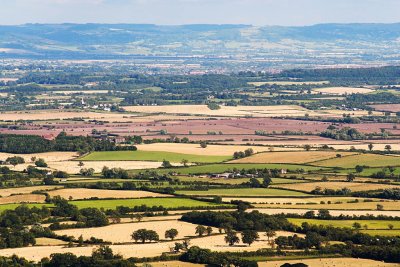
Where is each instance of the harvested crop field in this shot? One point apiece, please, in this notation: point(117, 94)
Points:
point(244, 192)
point(47, 156)
point(26, 198)
point(343, 90)
point(44, 241)
point(121, 233)
point(289, 83)
point(151, 156)
point(295, 157)
point(395, 213)
point(387, 205)
point(216, 243)
point(330, 262)
point(73, 167)
point(25, 190)
point(228, 111)
point(85, 193)
point(387, 107)
point(61, 115)
point(371, 160)
point(354, 187)
point(302, 200)
point(371, 224)
point(196, 149)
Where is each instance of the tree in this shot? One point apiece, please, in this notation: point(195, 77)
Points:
point(166, 164)
point(171, 233)
point(266, 181)
point(379, 207)
point(370, 146)
point(203, 144)
point(249, 236)
point(184, 162)
point(307, 147)
point(357, 226)
point(209, 230)
point(390, 226)
point(359, 168)
point(80, 241)
point(231, 238)
point(324, 214)
point(15, 160)
point(388, 148)
point(200, 230)
point(33, 159)
point(81, 164)
point(143, 235)
point(138, 217)
point(103, 253)
point(248, 152)
point(270, 234)
point(254, 183)
point(87, 172)
point(350, 177)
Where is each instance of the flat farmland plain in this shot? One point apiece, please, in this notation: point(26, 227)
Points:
point(238, 111)
point(354, 187)
point(343, 90)
point(151, 156)
point(243, 192)
point(295, 157)
point(330, 262)
point(371, 160)
point(85, 193)
point(196, 149)
point(121, 233)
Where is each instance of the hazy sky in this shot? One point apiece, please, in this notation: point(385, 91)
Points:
point(257, 12)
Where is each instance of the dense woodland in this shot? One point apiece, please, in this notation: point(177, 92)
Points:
point(25, 144)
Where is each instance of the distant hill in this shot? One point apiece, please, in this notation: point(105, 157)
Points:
point(363, 41)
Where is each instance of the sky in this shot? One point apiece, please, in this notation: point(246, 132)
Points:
point(177, 12)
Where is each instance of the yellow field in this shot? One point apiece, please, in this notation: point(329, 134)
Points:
point(331, 262)
point(87, 92)
point(343, 90)
point(387, 205)
point(174, 264)
point(298, 210)
point(195, 149)
point(381, 147)
point(371, 160)
point(354, 187)
point(289, 83)
point(121, 233)
point(25, 190)
point(215, 243)
point(239, 111)
point(44, 241)
point(47, 156)
point(290, 157)
point(26, 198)
point(73, 168)
point(84, 193)
point(260, 200)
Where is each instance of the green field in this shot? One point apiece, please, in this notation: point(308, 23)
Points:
point(372, 160)
point(238, 192)
point(168, 203)
point(387, 232)
point(370, 171)
point(165, 202)
point(235, 180)
point(222, 167)
point(15, 205)
point(151, 156)
point(372, 224)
